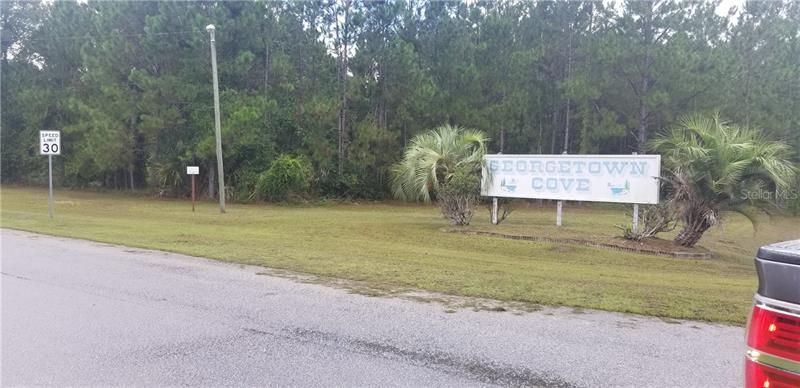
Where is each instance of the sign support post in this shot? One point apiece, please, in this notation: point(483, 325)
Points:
point(494, 210)
point(50, 144)
point(50, 196)
point(193, 170)
point(559, 205)
point(635, 223)
point(493, 216)
point(192, 193)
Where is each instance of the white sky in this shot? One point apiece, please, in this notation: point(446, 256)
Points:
point(725, 5)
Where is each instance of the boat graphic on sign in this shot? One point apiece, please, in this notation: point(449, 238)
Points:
point(620, 190)
point(509, 185)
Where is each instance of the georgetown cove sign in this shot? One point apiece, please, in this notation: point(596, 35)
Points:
point(598, 178)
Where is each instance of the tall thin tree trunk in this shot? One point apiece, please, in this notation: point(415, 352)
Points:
point(568, 107)
point(747, 83)
point(541, 126)
point(266, 67)
point(569, 102)
point(382, 121)
point(647, 26)
point(135, 147)
point(299, 110)
point(266, 79)
point(130, 171)
point(343, 66)
point(642, 135)
point(555, 126)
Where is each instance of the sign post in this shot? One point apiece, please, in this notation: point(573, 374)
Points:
point(559, 206)
point(192, 170)
point(495, 207)
point(50, 144)
point(635, 223)
point(494, 211)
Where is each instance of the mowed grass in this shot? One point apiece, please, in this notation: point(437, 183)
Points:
point(736, 240)
point(394, 245)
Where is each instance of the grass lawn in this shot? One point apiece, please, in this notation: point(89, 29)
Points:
point(399, 245)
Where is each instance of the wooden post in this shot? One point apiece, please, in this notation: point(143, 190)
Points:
point(192, 193)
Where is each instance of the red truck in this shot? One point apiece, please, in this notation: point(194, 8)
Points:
point(773, 330)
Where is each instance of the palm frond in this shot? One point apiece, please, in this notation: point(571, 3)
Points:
point(710, 163)
point(432, 158)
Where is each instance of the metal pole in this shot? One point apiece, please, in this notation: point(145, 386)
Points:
point(635, 224)
point(210, 28)
point(50, 197)
point(494, 210)
point(558, 212)
point(494, 217)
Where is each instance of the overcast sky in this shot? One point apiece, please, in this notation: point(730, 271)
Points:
point(726, 5)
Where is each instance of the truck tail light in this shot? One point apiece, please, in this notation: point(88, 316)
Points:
point(761, 376)
point(774, 341)
point(774, 333)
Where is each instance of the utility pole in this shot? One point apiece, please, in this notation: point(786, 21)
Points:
point(210, 28)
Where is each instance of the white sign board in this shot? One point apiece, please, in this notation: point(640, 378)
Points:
point(49, 142)
point(598, 178)
point(192, 170)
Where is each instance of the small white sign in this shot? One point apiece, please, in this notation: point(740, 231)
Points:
point(192, 170)
point(599, 178)
point(49, 142)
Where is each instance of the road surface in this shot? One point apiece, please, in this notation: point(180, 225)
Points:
point(83, 313)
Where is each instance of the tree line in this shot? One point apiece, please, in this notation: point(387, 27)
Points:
point(346, 84)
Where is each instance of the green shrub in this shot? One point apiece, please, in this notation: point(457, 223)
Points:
point(245, 180)
point(287, 178)
point(653, 219)
point(333, 185)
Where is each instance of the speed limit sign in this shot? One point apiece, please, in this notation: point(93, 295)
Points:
point(49, 142)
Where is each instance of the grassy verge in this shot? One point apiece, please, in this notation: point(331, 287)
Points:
point(398, 245)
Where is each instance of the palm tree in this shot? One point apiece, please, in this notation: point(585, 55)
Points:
point(433, 158)
point(712, 165)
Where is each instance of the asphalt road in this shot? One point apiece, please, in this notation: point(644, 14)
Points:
point(82, 313)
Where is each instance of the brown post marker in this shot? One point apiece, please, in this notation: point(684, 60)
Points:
point(193, 170)
point(192, 193)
